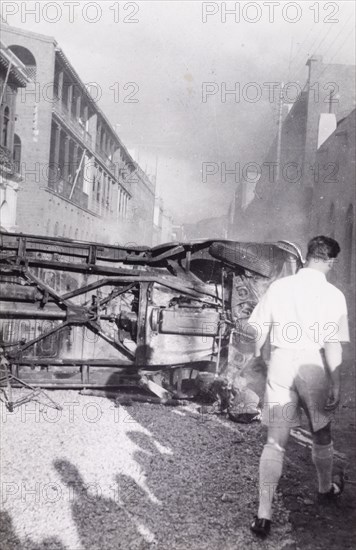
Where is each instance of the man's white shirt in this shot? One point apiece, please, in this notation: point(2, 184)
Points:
point(302, 311)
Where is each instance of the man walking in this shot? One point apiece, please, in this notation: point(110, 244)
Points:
point(305, 318)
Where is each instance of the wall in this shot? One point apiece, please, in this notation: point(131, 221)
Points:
point(33, 127)
point(9, 177)
point(333, 207)
point(141, 209)
point(281, 208)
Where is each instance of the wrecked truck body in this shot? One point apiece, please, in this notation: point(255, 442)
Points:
point(86, 315)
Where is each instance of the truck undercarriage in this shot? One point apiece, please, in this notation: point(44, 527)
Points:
point(83, 315)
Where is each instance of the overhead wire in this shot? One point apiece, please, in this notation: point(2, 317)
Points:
point(320, 43)
point(302, 44)
point(310, 48)
point(335, 54)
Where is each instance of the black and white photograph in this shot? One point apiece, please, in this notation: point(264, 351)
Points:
point(177, 275)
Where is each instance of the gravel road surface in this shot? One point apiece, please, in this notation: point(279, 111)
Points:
point(96, 476)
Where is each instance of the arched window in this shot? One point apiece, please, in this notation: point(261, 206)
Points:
point(5, 216)
point(332, 220)
point(27, 59)
point(5, 127)
point(56, 229)
point(349, 250)
point(17, 153)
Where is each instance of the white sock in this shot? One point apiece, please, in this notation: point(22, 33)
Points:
point(322, 456)
point(271, 464)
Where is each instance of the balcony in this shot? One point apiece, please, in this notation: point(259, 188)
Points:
point(64, 188)
point(75, 125)
point(6, 162)
point(9, 168)
point(108, 162)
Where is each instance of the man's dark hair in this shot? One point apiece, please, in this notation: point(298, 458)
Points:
point(322, 248)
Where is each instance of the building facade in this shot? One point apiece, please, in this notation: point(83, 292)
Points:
point(307, 184)
point(282, 196)
point(163, 223)
point(79, 180)
point(333, 203)
point(12, 77)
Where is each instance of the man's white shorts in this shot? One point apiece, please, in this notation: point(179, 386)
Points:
point(296, 380)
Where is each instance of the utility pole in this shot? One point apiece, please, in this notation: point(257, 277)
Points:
point(290, 57)
point(279, 135)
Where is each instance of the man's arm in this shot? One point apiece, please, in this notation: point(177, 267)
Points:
point(260, 320)
point(333, 357)
point(332, 345)
point(259, 343)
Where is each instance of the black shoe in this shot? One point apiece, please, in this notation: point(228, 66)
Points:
point(335, 492)
point(261, 527)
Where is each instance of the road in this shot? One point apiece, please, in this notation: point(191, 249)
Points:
point(96, 476)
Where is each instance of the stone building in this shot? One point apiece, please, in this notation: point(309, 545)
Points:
point(79, 179)
point(281, 207)
point(163, 223)
point(12, 77)
point(333, 203)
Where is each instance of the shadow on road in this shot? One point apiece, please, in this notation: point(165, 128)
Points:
point(102, 523)
point(9, 540)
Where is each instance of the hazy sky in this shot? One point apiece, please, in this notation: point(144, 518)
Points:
point(168, 52)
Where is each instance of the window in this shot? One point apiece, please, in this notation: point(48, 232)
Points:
point(80, 162)
point(27, 59)
point(95, 179)
point(5, 215)
point(5, 127)
point(103, 195)
point(66, 92)
point(17, 153)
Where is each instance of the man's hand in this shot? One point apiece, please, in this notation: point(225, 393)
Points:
point(334, 399)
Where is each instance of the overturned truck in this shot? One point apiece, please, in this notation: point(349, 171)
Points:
point(79, 315)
